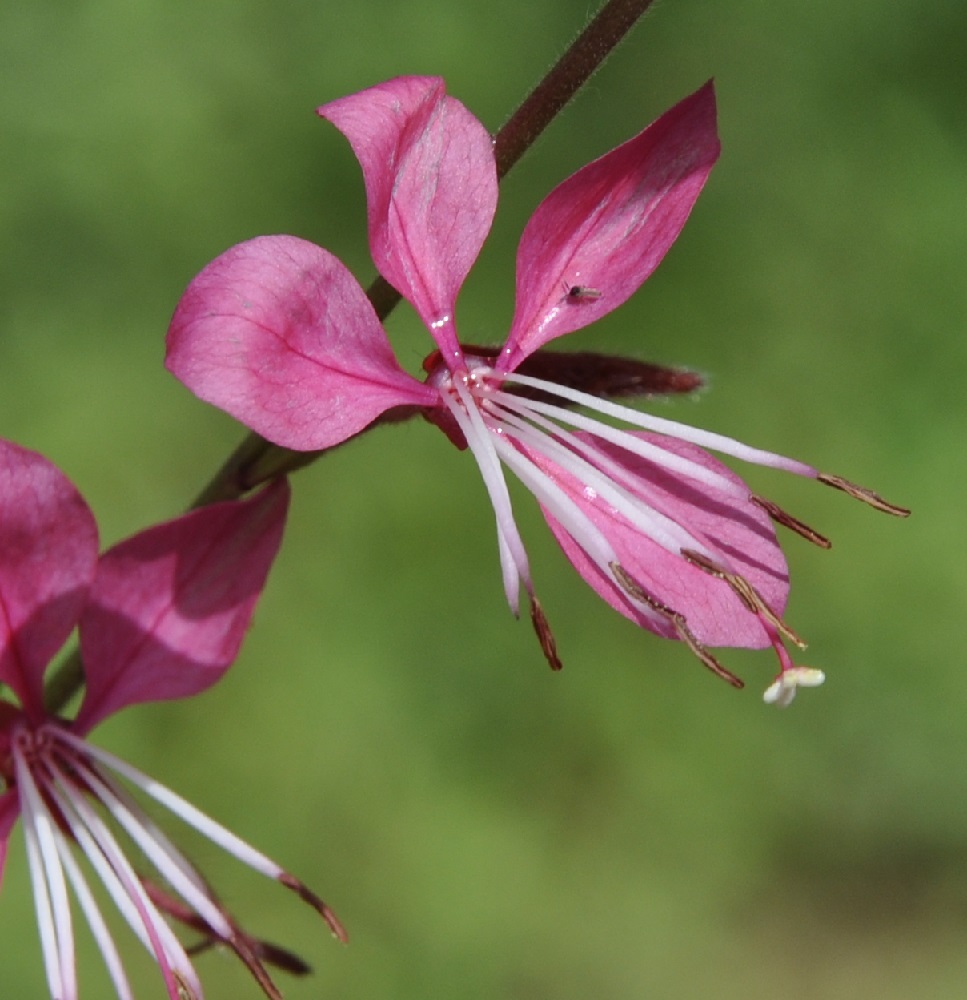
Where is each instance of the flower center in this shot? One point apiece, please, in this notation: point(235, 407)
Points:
point(477, 375)
point(605, 490)
point(33, 746)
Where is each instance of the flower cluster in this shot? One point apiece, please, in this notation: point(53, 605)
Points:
point(278, 333)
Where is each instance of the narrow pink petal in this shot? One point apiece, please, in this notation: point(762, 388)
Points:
point(431, 187)
point(48, 553)
point(738, 534)
point(170, 606)
point(597, 236)
point(279, 334)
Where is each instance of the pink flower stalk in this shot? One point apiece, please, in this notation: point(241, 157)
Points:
point(277, 332)
point(160, 616)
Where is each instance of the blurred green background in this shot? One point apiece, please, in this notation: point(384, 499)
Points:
point(631, 827)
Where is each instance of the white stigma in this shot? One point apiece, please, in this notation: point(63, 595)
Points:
point(782, 691)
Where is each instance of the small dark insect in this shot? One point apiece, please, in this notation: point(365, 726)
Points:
point(582, 293)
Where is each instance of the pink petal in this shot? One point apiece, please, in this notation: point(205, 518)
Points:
point(170, 606)
point(740, 535)
point(431, 187)
point(48, 554)
point(606, 228)
point(279, 334)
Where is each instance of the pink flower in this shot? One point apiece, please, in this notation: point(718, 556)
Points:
point(278, 333)
point(161, 615)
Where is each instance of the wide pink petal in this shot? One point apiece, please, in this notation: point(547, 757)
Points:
point(170, 606)
point(597, 236)
point(737, 533)
point(431, 187)
point(48, 553)
point(279, 334)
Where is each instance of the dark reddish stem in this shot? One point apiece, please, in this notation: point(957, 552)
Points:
point(569, 74)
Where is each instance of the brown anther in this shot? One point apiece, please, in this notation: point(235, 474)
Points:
point(862, 494)
point(242, 945)
point(544, 634)
point(745, 592)
point(678, 622)
point(308, 896)
point(702, 652)
point(253, 953)
point(792, 523)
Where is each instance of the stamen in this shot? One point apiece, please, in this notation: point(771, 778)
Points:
point(209, 828)
point(513, 556)
point(179, 911)
point(249, 951)
point(598, 471)
point(106, 857)
point(252, 952)
point(746, 593)
point(678, 622)
point(863, 494)
point(39, 834)
point(648, 422)
point(308, 896)
point(544, 634)
point(629, 442)
point(97, 924)
point(181, 807)
point(792, 523)
point(242, 947)
point(556, 500)
point(169, 862)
